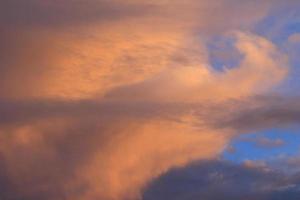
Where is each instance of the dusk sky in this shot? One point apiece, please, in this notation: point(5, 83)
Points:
point(149, 100)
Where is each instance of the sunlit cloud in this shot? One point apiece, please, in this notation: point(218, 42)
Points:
point(99, 98)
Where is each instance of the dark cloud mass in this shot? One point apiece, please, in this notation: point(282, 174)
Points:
point(218, 180)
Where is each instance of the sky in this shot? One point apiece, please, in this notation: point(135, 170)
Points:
point(149, 100)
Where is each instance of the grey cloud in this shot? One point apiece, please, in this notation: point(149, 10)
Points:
point(263, 112)
point(218, 180)
point(18, 14)
point(242, 116)
point(25, 111)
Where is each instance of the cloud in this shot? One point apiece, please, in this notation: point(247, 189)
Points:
point(98, 153)
point(215, 180)
point(100, 45)
point(294, 38)
point(195, 83)
point(33, 13)
point(111, 147)
point(120, 147)
point(267, 142)
point(99, 99)
point(267, 111)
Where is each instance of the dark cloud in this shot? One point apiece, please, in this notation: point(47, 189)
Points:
point(242, 116)
point(19, 112)
point(263, 112)
point(18, 14)
point(218, 180)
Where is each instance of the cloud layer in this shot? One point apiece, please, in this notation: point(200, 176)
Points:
point(99, 98)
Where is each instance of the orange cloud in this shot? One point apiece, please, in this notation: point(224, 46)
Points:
point(142, 152)
point(156, 61)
